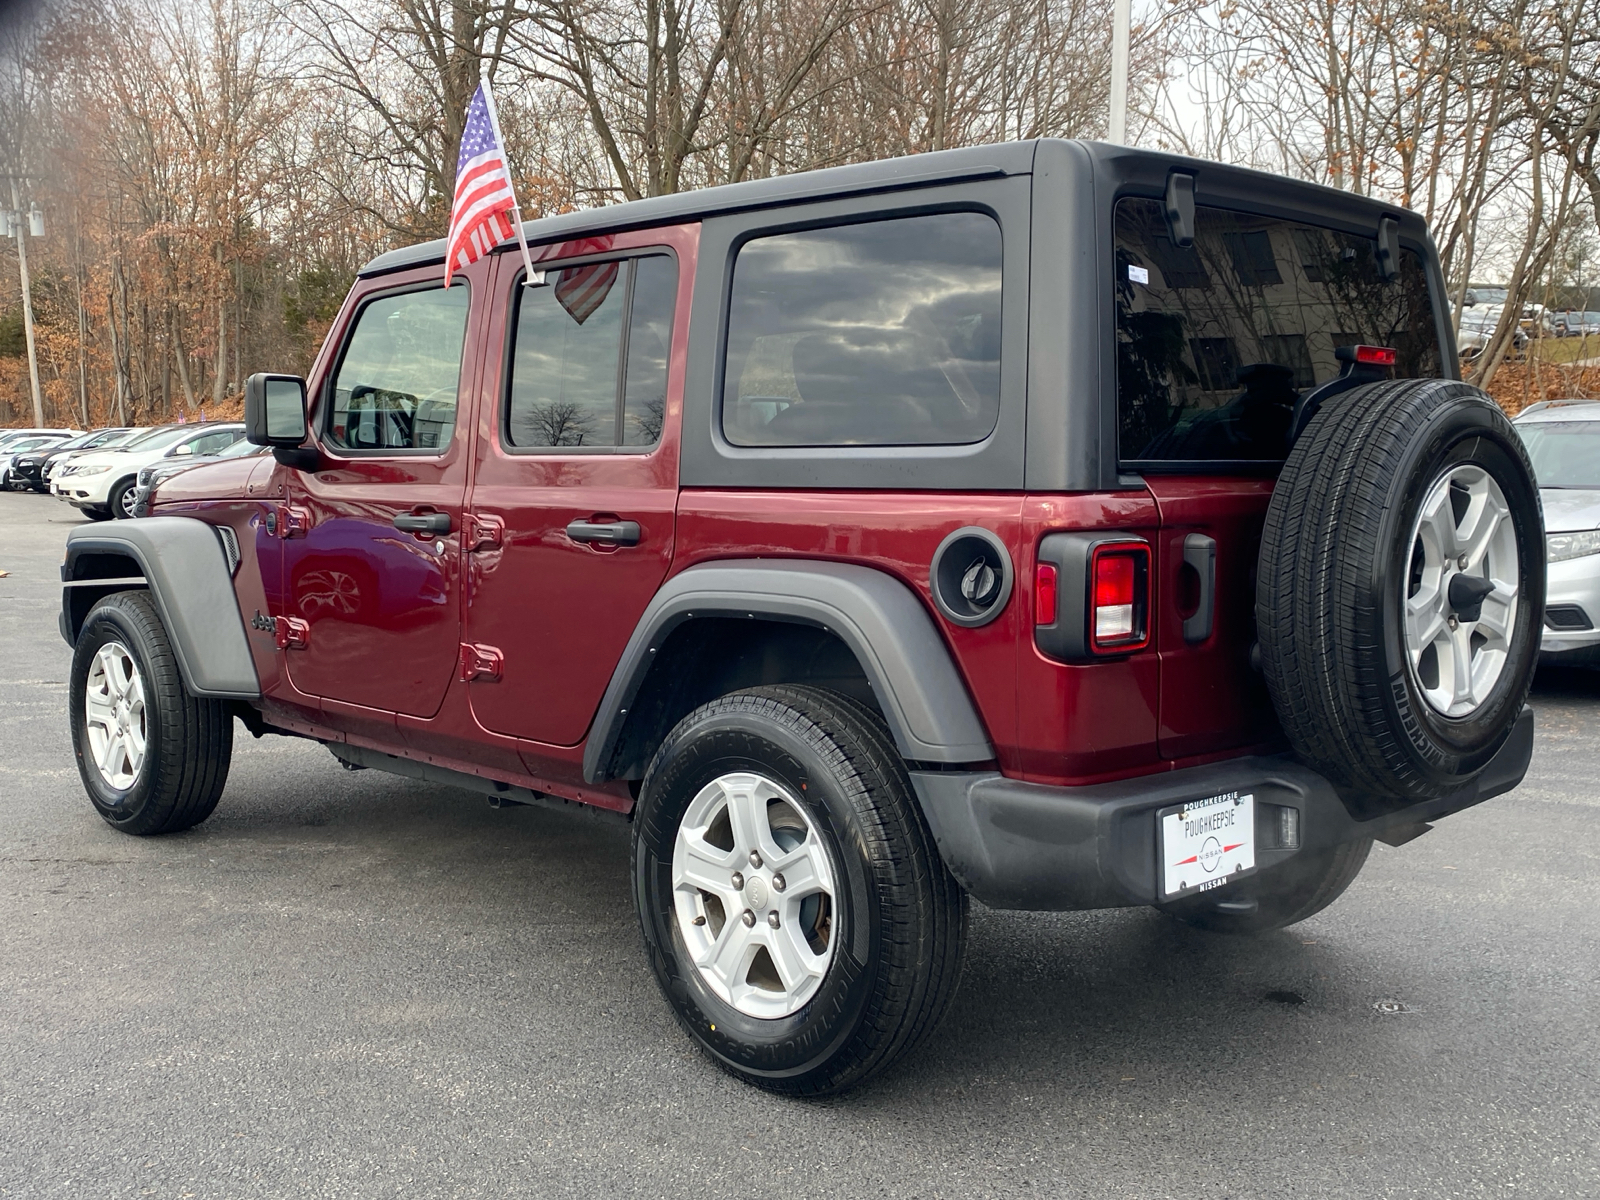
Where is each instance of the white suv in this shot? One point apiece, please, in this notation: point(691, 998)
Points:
point(101, 483)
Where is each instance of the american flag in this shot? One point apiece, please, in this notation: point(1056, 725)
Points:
point(479, 220)
point(582, 290)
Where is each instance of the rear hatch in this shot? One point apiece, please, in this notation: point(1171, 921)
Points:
point(1223, 322)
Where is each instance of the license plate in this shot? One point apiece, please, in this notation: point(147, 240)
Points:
point(1206, 843)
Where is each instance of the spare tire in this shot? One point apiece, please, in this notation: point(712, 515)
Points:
point(1400, 590)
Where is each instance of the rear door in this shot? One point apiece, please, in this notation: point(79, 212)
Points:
point(575, 489)
point(1216, 342)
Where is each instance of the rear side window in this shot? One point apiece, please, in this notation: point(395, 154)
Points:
point(589, 364)
point(884, 333)
point(1215, 341)
point(396, 385)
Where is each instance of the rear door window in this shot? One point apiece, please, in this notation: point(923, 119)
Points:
point(589, 362)
point(881, 333)
point(1216, 340)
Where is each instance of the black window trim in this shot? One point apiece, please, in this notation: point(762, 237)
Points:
point(1128, 470)
point(325, 400)
point(508, 353)
point(850, 450)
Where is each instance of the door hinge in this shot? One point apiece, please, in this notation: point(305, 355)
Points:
point(291, 633)
point(289, 520)
point(485, 531)
point(481, 664)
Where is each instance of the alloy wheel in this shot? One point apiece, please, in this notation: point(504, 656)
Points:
point(754, 895)
point(114, 716)
point(1461, 590)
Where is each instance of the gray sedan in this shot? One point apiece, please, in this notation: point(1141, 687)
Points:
point(1563, 439)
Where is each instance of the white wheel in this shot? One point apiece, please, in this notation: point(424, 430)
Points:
point(753, 890)
point(114, 716)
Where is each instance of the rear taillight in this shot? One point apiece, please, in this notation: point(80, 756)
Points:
point(1091, 595)
point(1120, 586)
point(1376, 356)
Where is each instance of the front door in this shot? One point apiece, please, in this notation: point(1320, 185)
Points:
point(371, 538)
point(575, 491)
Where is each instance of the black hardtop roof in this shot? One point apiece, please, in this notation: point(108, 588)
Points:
point(916, 170)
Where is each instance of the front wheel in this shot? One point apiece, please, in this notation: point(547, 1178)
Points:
point(153, 758)
point(121, 499)
point(793, 905)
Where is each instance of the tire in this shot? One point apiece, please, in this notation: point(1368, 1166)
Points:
point(885, 948)
point(119, 503)
point(1300, 888)
point(1361, 688)
point(124, 663)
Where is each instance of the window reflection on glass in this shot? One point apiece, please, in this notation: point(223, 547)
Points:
point(396, 386)
point(1216, 341)
point(569, 384)
point(881, 333)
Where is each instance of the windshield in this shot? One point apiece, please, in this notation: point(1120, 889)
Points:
point(80, 442)
point(1566, 454)
point(30, 444)
point(123, 438)
point(240, 449)
point(157, 438)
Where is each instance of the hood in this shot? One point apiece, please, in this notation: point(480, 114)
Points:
point(97, 458)
point(1567, 510)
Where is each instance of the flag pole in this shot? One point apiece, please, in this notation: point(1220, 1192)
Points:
point(534, 278)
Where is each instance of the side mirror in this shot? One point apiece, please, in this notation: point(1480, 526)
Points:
point(275, 415)
point(275, 410)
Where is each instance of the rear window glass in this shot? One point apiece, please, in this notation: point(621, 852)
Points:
point(1215, 341)
point(882, 333)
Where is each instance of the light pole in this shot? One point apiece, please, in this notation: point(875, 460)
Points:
point(35, 220)
point(1121, 35)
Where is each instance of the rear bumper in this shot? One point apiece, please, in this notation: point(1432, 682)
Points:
point(1027, 846)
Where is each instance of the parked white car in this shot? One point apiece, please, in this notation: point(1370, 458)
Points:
point(1563, 440)
point(101, 483)
point(10, 437)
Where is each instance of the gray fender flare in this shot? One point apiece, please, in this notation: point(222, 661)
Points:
point(923, 697)
point(181, 562)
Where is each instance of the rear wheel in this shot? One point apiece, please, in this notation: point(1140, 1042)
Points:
point(794, 907)
point(153, 758)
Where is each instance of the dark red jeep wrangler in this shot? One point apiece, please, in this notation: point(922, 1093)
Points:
point(1056, 524)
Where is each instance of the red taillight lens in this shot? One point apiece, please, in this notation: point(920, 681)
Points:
point(1377, 356)
point(1044, 594)
point(1119, 587)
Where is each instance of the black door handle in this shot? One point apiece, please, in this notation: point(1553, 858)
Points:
point(434, 522)
point(1200, 555)
point(607, 533)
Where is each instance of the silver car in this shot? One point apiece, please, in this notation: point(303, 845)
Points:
point(1563, 439)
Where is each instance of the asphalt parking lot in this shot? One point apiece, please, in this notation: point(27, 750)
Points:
point(358, 985)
